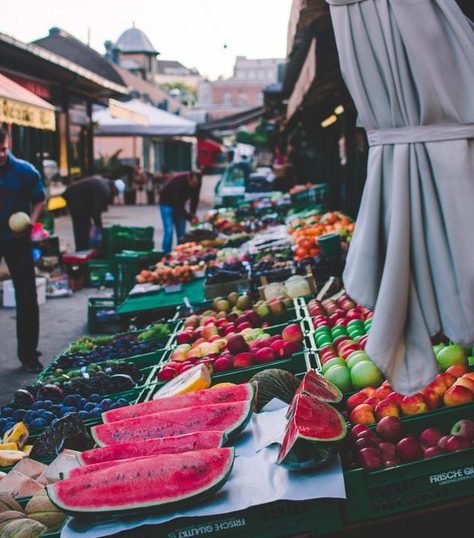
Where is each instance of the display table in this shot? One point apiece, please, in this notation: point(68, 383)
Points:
point(161, 300)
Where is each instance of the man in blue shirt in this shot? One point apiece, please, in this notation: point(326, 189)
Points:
point(21, 189)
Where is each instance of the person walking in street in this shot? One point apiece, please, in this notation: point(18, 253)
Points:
point(87, 199)
point(175, 194)
point(21, 189)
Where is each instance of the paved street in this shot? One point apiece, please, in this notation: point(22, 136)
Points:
point(62, 320)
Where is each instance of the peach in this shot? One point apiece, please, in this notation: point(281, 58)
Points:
point(457, 395)
point(465, 382)
point(457, 370)
point(383, 391)
point(432, 397)
point(438, 385)
point(363, 414)
point(355, 399)
point(369, 391)
point(469, 375)
point(414, 404)
point(395, 397)
point(447, 378)
point(387, 408)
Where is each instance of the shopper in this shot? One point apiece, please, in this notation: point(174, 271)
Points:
point(21, 189)
point(175, 194)
point(87, 199)
point(140, 182)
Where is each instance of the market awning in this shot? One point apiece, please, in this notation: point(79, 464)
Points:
point(233, 121)
point(152, 121)
point(22, 107)
point(412, 256)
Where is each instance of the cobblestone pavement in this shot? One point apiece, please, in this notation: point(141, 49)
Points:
point(62, 320)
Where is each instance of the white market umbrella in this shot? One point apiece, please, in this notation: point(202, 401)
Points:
point(409, 66)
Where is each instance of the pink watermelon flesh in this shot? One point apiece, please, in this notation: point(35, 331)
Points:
point(316, 385)
point(153, 447)
point(165, 481)
point(312, 433)
point(229, 418)
point(235, 393)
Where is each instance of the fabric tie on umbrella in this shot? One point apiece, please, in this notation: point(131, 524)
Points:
point(409, 66)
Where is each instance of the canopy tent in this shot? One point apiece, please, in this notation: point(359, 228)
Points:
point(409, 65)
point(22, 107)
point(135, 118)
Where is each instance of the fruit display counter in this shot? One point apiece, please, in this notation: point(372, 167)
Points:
point(252, 413)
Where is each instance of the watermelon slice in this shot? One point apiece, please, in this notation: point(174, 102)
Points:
point(319, 387)
point(165, 481)
point(153, 447)
point(229, 418)
point(312, 434)
point(234, 393)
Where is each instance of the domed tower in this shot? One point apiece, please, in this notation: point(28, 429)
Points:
point(135, 52)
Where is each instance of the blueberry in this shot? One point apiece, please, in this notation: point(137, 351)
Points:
point(95, 397)
point(38, 423)
point(7, 412)
point(123, 402)
point(82, 402)
point(84, 414)
point(39, 404)
point(89, 406)
point(47, 404)
point(19, 414)
point(68, 409)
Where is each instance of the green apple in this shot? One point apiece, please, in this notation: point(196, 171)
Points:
point(335, 361)
point(322, 341)
point(322, 330)
point(356, 323)
point(450, 355)
point(365, 374)
point(340, 376)
point(338, 331)
point(355, 357)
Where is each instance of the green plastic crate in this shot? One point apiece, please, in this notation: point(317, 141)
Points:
point(116, 239)
point(315, 196)
point(271, 520)
point(102, 317)
point(431, 481)
point(100, 273)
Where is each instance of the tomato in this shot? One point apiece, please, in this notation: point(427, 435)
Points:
point(301, 252)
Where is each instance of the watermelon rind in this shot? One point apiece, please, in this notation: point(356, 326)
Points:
point(153, 447)
point(234, 393)
point(231, 418)
point(312, 435)
point(111, 491)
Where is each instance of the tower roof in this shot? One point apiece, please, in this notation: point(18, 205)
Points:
point(134, 40)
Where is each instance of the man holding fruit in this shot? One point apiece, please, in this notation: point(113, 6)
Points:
point(21, 192)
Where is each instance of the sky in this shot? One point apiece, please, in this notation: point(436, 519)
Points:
point(207, 34)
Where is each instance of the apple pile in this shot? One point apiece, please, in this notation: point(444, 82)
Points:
point(453, 387)
point(249, 347)
point(390, 444)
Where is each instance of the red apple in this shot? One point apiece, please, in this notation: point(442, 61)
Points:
point(409, 449)
point(463, 428)
point(442, 442)
point(431, 397)
point(264, 354)
point(277, 347)
point(390, 428)
point(292, 333)
point(364, 442)
point(237, 344)
point(431, 451)
point(357, 429)
point(223, 363)
point(455, 443)
point(370, 458)
point(166, 373)
point(244, 360)
point(388, 450)
point(395, 397)
point(430, 436)
point(391, 462)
